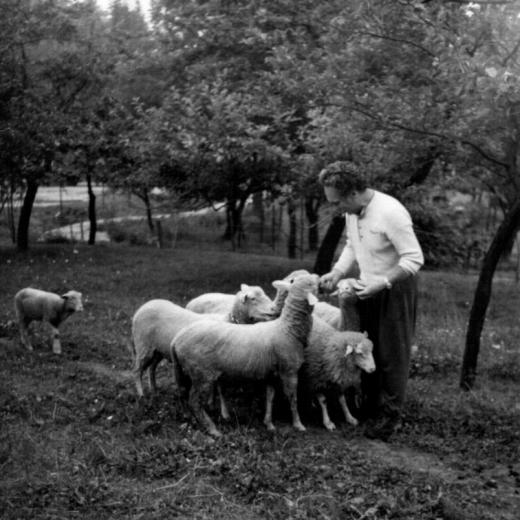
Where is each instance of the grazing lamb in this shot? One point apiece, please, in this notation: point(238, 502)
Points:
point(222, 303)
point(35, 305)
point(333, 361)
point(157, 321)
point(207, 350)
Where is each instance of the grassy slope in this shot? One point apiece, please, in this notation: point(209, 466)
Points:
point(75, 443)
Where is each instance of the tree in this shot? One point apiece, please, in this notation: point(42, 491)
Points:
point(46, 48)
point(220, 147)
point(438, 72)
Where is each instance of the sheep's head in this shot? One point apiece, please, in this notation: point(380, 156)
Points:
point(360, 348)
point(73, 301)
point(255, 304)
point(305, 287)
point(282, 288)
point(345, 290)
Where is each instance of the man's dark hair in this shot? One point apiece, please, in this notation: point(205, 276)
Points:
point(345, 176)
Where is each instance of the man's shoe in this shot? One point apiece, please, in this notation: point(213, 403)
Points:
point(383, 427)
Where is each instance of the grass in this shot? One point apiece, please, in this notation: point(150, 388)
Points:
point(76, 443)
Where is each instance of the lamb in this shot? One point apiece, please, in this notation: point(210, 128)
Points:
point(343, 317)
point(223, 303)
point(156, 322)
point(333, 361)
point(205, 351)
point(36, 305)
point(346, 316)
point(281, 289)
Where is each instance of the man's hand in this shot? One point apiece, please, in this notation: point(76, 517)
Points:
point(329, 280)
point(367, 289)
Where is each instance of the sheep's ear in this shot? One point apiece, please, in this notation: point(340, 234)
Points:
point(281, 284)
point(312, 299)
point(365, 334)
point(349, 350)
point(65, 296)
point(244, 287)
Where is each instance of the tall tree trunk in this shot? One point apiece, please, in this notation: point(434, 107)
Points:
point(234, 228)
point(22, 238)
point(229, 231)
point(10, 214)
point(291, 242)
point(91, 211)
point(505, 231)
point(329, 244)
point(258, 209)
point(312, 206)
point(149, 218)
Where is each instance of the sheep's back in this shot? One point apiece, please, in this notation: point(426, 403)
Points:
point(156, 322)
point(328, 313)
point(36, 304)
point(252, 351)
point(211, 303)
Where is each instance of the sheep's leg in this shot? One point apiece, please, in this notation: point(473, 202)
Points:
point(56, 345)
point(152, 381)
point(23, 327)
point(346, 412)
point(141, 363)
point(200, 391)
point(224, 412)
point(290, 385)
point(268, 417)
point(324, 413)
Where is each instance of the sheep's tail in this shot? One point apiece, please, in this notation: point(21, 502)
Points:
point(130, 346)
point(179, 377)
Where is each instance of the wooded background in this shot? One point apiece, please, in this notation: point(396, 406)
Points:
point(224, 102)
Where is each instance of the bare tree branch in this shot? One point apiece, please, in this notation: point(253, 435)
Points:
point(398, 40)
point(388, 124)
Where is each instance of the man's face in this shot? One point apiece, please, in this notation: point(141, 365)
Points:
point(344, 203)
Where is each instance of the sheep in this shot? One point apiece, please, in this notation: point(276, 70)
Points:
point(36, 305)
point(156, 322)
point(346, 316)
point(223, 303)
point(281, 289)
point(206, 350)
point(333, 361)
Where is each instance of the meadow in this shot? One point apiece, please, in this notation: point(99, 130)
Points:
point(75, 442)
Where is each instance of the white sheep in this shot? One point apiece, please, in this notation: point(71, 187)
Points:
point(156, 322)
point(328, 313)
point(346, 315)
point(36, 305)
point(281, 289)
point(333, 361)
point(223, 303)
point(207, 350)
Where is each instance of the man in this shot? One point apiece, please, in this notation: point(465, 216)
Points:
point(382, 246)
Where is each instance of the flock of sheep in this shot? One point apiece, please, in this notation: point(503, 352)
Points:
point(294, 338)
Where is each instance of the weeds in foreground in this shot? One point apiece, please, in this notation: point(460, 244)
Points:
point(76, 443)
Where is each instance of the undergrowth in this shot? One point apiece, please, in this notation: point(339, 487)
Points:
point(76, 443)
